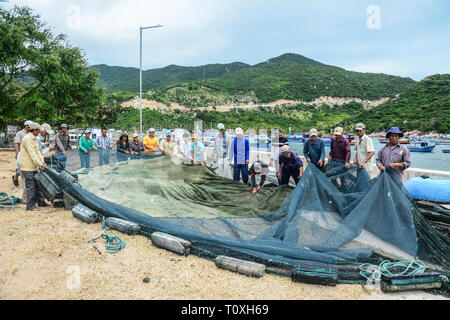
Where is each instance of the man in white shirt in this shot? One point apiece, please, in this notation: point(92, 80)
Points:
point(364, 149)
point(185, 149)
point(222, 144)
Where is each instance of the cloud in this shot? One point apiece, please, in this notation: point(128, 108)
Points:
point(413, 39)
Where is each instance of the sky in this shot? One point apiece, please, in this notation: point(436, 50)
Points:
point(406, 38)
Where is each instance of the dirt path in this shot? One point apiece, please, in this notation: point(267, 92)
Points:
point(46, 255)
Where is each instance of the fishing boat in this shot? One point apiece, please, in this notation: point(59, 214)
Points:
point(446, 151)
point(296, 138)
point(326, 140)
point(404, 141)
point(443, 142)
point(423, 146)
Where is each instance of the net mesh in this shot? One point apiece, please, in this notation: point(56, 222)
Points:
point(336, 216)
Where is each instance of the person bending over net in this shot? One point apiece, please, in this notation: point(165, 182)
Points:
point(257, 168)
point(289, 165)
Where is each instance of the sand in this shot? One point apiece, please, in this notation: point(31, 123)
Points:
point(46, 255)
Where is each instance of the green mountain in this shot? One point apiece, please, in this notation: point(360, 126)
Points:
point(289, 76)
point(127, 79)
point(424, 107)
point(295, 77)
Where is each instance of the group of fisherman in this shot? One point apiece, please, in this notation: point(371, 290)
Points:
point(232, 154)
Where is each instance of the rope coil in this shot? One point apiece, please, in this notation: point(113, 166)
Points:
point(113, 243)
point(386, 268)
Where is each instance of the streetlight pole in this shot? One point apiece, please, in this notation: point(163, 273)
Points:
point(140, 71)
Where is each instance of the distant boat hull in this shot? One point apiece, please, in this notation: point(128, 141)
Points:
point(446, 151)
point(428, 149)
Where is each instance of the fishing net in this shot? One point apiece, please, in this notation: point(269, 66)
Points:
point(333, 215)
point(334, 218)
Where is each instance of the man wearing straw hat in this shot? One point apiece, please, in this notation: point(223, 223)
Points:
point(30, 160)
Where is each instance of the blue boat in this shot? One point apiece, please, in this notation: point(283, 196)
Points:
point(432, 189)
point(423, 146)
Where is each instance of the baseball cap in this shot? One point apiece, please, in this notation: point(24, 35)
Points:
point(220, 126)
point(27, 123)
point(151, 130)
point(168, 134)
point(338, 131)
point(285, 149)
point(360, 126)
point(313, 132)
point(88, 131)
point(135, 136)
point(64, 126)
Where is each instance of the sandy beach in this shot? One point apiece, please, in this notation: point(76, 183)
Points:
point(46, 255)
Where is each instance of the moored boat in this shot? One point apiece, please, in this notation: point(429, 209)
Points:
point(423, 146)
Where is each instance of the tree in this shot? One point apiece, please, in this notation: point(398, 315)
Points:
point(42, 77)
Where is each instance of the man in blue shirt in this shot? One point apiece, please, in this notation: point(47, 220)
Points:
point(289, 164)
point(314, 149)
point(240, 154)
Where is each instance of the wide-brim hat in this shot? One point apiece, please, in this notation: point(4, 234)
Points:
point(394, 130)
point(27, 123)
point(239, 131)
point(46, 127)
